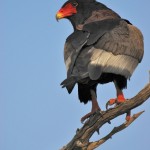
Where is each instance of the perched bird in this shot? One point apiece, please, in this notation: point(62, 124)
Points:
point(103, 48)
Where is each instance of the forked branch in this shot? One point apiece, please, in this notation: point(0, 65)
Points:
point(96, 144)
point(81, 140)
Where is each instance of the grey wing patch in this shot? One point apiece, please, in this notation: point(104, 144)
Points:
point(67, 54)
point(97, 63)
point(124, 39)
point(121, 64)
point(106, 62)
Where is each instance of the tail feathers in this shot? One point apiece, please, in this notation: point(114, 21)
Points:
point(84, 92)
point(69, 83)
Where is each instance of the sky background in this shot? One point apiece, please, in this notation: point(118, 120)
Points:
point(35, 113)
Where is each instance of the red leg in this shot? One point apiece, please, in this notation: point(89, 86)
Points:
point(128, 116)
point(120, 99)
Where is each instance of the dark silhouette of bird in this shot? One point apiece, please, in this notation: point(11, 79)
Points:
point(103, 48)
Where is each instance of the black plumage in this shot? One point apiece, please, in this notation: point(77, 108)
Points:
point(103, 48)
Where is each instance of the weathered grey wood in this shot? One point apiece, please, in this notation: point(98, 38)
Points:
point(81, 140)
point(115, 130)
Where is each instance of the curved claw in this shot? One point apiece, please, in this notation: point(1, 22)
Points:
point(107, 104)
point(109, 122)
point(98, 131)
point(86, 117)
point(110, 102)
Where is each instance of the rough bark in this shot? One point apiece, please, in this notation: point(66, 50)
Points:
point(81, 140)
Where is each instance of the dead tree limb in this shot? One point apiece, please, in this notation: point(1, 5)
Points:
point(96, 144)
point(81, 140)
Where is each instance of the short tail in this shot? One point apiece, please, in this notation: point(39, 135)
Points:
point(84, 92)
point(69, 83)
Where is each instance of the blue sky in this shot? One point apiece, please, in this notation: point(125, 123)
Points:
point(35, 113)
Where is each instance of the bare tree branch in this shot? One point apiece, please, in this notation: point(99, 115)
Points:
point(115, 130)
point(81, 140)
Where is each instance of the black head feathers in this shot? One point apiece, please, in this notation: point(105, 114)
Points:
point(85, 1)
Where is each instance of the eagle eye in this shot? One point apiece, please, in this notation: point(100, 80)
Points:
point(74, 4)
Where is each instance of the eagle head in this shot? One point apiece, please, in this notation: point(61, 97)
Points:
point(77, 11)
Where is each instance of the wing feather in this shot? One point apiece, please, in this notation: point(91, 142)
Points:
point(107, 62)
point(124, 39)
point(107, 46)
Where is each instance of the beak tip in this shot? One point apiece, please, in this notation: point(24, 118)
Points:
point(59, 16)
point(56, 18)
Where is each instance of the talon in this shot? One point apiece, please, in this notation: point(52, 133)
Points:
point(120, 99)
point(110, 102)
point(92, 113)
point(107, 104)
point(86, 117)
point(128, 116)
point(109, 122)
point(98, 131)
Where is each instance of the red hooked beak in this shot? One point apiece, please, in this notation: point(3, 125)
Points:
point(66, 11)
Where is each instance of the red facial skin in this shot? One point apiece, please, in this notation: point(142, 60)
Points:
point(66, 11)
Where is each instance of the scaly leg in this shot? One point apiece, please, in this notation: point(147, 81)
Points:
point(120, 99)
point(95, 106)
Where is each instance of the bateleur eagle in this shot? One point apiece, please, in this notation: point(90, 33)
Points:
point(103, 48)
